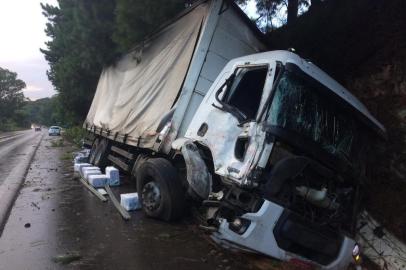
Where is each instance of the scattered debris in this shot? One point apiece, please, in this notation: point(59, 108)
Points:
point(118, 206)
point(67, 258)
point(102, 191)
point(35, 205)
point(27, 225)
point(379, 245)
point(164, 235)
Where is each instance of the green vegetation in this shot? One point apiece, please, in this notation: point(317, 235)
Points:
point(67, 156)
point(11, 101)
point(43, 111)
point(88, 35)
point(75, 134)
point(58, 143)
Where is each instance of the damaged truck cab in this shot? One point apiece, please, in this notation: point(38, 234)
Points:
point(269, 145)
point(287, 145)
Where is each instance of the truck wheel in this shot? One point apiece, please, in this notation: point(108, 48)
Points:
point(161, 193)
point(93, 151)
point(100, 157)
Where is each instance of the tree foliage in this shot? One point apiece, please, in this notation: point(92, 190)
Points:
point(137, 18)
point(81, 43)
point(282, 11)
point(11, 97)
point(87, 35)
point(43, 111)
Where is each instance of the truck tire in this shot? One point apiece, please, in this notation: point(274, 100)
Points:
point(100, 157)
point(160, 191)
point(93, 151)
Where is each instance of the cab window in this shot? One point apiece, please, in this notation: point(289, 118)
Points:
point(245, 92)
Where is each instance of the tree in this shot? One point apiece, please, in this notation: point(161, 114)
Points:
point(81, 44)
point(43, 111)
point(269, 10)
point(138, 18)
point(88, 35)
point(11, 95)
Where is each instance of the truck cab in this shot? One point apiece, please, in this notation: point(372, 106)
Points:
point(285, 148)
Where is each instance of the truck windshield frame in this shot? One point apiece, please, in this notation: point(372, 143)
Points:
point(303, 107)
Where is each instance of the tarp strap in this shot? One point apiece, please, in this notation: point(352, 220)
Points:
point(125, 138)
point(139, 141)
point(108, 132)
point(101, 131)
point(115, 136)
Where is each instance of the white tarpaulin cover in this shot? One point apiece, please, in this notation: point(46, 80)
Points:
point(134, 94)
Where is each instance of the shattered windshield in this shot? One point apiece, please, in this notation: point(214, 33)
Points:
point(299, 107)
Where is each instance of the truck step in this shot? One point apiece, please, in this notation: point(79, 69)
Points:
point(117, 161)
point(122, 152)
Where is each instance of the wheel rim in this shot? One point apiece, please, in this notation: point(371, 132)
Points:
point(151, 196)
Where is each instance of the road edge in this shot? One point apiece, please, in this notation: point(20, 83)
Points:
point(12, 185)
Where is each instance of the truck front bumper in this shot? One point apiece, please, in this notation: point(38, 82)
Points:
point(271, 227)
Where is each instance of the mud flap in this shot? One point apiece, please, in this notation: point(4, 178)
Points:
point(198, 176)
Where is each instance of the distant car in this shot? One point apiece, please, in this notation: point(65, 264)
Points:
point(54, 131)
point(37, 128)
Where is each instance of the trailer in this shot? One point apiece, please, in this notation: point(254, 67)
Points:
point(268, 144)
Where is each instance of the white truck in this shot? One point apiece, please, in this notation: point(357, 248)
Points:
point(267, 143)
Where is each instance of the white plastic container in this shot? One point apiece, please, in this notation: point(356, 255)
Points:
point(98, 180)
point(130, 201)
point(113, 175)
point(88, 168)
point(80, 158)
point(79, 166)
point(87, 173)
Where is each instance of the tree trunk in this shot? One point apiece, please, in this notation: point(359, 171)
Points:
point(293, 6)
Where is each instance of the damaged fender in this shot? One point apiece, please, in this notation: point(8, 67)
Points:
point(198, 176)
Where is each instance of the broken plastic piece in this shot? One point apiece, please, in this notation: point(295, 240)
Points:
point(102, 191)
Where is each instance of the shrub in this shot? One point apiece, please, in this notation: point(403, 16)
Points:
point(75, 135)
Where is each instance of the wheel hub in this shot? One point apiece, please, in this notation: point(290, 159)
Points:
point(151, 196)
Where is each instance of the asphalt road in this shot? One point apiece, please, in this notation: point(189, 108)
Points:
point(56, 223)
point(13, 147)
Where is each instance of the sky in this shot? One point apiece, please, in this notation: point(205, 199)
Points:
point(22, 35)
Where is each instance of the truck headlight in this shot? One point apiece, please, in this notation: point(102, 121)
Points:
point(239, 225)
point(356, 254)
